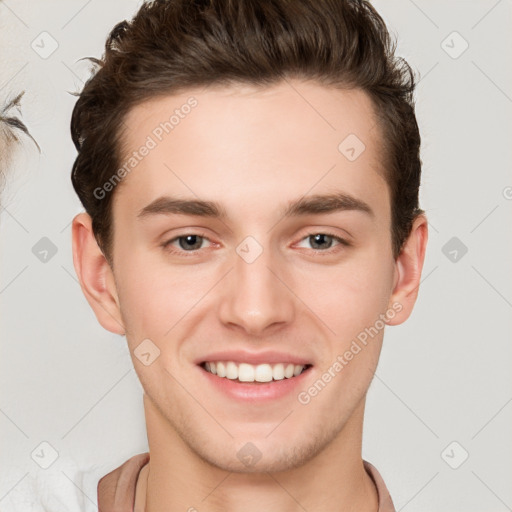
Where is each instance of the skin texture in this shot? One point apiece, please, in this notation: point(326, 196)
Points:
point(254, 151)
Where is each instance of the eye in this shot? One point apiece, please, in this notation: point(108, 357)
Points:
point(189, 242)
point(324, 241)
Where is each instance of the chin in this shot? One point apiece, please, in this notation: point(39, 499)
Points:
point(260, 454)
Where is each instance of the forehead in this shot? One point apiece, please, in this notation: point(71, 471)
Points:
point(229, 141)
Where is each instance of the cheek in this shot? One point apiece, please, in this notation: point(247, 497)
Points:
point(351, 305)
point(349, 297)
point(153, 297)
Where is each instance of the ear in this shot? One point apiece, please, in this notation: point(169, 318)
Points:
point(95, 275)
point(408, 267)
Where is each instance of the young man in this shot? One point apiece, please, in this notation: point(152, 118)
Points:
point(250, 173)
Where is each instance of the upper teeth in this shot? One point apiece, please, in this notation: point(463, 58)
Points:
point(245, 372)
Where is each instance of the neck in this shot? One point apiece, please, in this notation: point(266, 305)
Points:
point(178, 479)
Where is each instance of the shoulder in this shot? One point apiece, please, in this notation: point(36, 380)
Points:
point(385, 501)
point(116, 490)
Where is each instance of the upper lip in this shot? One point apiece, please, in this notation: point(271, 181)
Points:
point(243, 356)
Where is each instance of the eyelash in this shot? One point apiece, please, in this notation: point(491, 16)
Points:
point(192, 253)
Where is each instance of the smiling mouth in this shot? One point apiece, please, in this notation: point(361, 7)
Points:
point(254, 373)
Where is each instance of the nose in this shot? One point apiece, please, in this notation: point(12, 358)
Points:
point(255, 296)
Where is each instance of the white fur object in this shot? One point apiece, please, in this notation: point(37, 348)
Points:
point(63, 487)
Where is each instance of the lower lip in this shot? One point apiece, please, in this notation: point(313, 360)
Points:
point(256, 391)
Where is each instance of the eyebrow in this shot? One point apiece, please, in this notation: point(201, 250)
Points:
point(307, 205)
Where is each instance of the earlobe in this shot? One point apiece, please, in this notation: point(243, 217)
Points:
point(408, 267)
point(95, 275)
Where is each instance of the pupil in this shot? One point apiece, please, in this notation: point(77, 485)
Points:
point(316, 237)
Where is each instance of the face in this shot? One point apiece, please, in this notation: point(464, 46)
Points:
point(253, 238)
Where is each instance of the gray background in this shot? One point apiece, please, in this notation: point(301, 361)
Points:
point(444, 376)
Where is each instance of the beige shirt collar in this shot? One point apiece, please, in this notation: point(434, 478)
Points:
point(132, 491)
point(385, 501)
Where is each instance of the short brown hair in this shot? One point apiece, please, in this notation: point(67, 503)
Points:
point(172, 45)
